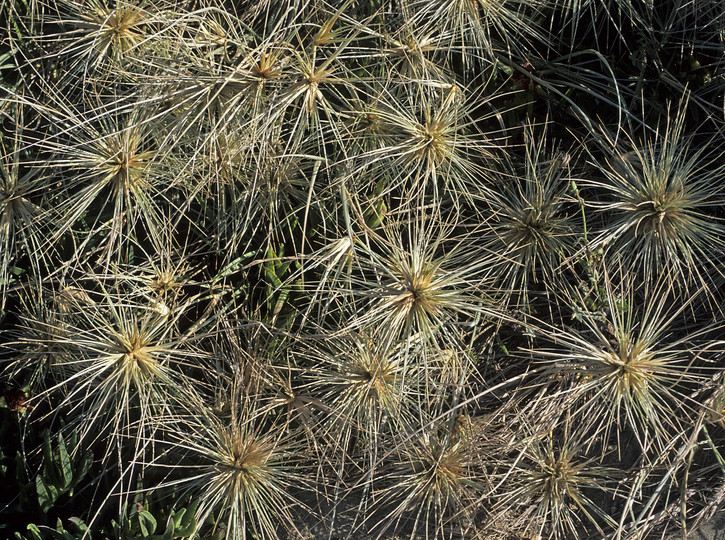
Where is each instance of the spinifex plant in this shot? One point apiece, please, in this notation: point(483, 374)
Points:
point(424, 286)
point(661, 199)
point(534, 223)
point(241, 469)
point(428, 140)
point(108, 356)
point(304, 269)
point(367, 386)
point(557, 487)
point(479, 31)
point(99, 36)
point(21, 218)
point(434, 484)
point(623, 371)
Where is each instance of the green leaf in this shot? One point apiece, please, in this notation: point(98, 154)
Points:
point(59, 533)
point(79, 524)
point(49, 470)
point(34, 532)
point(147, 522)
point(47, 494)
point(66, 467)
point(170, 528)
point(233, 267)
point(185, 523)
point(179, 517)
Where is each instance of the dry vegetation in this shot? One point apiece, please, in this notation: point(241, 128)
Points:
point(413, 269)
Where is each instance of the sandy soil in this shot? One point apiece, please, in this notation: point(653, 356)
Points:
point(714, 529)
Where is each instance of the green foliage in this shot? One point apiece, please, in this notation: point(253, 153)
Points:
point(64, 467)
point(78, 530)
point(141, 523)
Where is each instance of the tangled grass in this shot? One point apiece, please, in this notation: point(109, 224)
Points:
point(424, 269)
